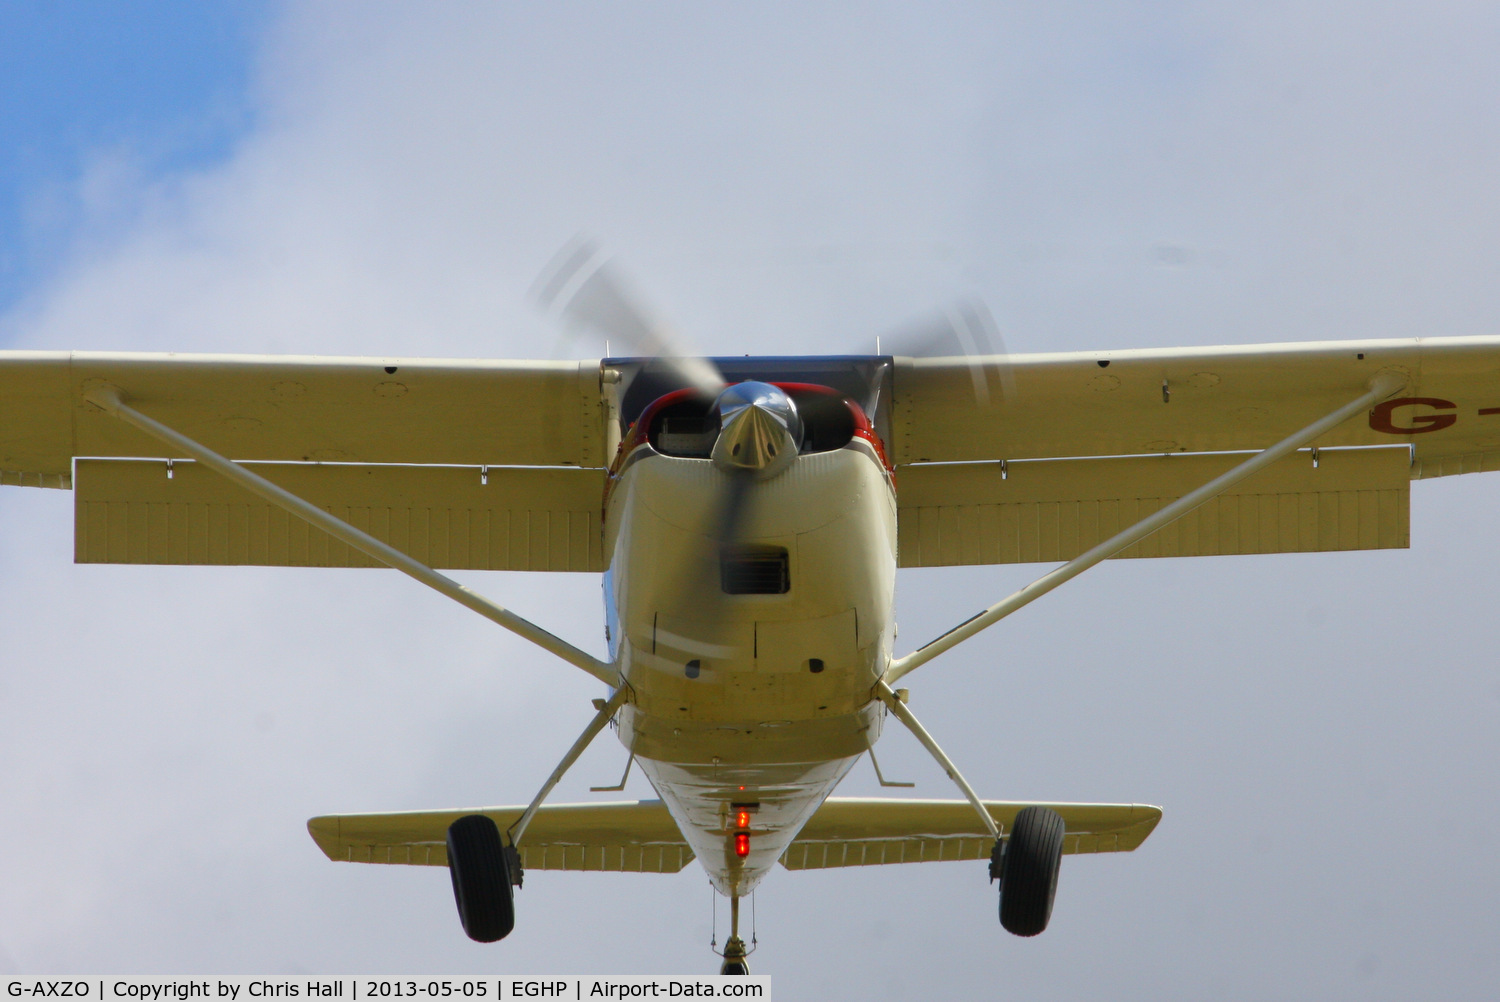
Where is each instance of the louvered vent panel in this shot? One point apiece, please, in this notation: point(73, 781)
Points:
point(755, 570)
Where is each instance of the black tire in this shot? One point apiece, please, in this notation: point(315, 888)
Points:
point(734, 967)
point(1028, 876)
point(481, 878)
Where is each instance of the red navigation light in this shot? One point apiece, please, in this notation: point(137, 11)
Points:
point(742, 819)
point(742, 844)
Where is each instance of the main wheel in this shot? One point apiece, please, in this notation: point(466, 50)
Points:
point(481, 878)
point(1028, 875)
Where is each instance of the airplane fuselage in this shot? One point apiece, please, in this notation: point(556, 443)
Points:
point(751, 667)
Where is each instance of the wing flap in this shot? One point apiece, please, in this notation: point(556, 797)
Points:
point(529, 518)
point(623, 837)
point(1052, 510)
point(870, 832)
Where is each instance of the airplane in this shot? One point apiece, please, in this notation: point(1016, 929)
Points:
point(748, 516)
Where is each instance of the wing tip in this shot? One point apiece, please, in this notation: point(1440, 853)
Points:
point(325, 830)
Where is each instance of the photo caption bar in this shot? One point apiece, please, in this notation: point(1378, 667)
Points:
point(348, 988)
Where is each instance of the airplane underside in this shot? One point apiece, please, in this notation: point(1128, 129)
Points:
point(755, 702)
point(753, 550)
point(748, 534)
point(749, 596)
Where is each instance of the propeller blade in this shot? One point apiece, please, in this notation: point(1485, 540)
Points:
point(761, 431)
point(587, 291)
point(694, 590)
point(732, 512)
point(964, 329)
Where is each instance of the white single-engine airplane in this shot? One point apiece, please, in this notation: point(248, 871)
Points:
point(748, 516)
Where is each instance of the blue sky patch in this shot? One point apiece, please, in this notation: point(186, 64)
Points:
point(165, 83)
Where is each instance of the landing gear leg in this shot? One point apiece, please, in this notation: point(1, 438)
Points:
point(888, 696)
point(1026, 864)
point(484, 868)
point(734, 948)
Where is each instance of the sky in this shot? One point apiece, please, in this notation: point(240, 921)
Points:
point(389, 179)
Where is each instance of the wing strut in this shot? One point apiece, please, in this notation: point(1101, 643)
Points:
point(108, 398)
point(605, 714)
point(885, 694)
point(1383, 385)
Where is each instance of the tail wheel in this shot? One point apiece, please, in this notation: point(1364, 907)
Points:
point(481, 878)
point(1028, 873)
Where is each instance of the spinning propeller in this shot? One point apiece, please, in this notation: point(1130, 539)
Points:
point(759, 430)
point(588, 293)
point(756, 428)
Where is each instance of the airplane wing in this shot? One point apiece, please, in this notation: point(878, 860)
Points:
point(640, 836)
point(500, 464)
point(462, 464)
point(300, 409)
point(1060, 451)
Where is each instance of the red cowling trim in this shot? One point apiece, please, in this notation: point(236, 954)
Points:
point(637, 433)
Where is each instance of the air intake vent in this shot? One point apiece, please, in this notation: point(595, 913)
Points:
point(684, 428)
point(754, 570)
